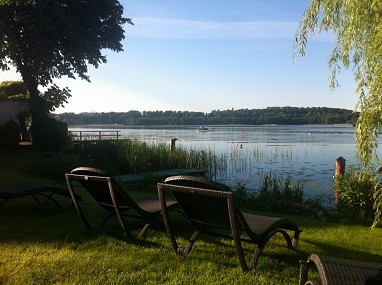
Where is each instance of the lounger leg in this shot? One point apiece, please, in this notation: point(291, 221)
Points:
point(85, 221)
point(259, 249)
point(304, 266)
point(239, 251)
point(191, 243)
point(53, 200)
point(143, 230)
point(255, 257)
point(76, 204)
point(263, 243)
point(287, 238)
point(117, 210)
point(123, 224)
point(295, 238)
point(47, 197)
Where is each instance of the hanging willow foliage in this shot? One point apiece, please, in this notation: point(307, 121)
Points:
point(357, 27)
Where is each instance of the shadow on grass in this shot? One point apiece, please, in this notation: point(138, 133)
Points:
point(338, 251)
point(23, 220)
point(217, 249)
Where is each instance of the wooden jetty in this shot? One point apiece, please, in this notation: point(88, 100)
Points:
point(93, 136)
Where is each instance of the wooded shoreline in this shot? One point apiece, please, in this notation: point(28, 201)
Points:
point(268, 116)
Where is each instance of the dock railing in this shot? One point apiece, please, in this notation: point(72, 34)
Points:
point(80, 136)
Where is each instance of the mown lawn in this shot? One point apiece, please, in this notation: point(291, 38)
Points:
point(40, 244)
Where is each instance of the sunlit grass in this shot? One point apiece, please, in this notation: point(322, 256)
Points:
point(41, 245)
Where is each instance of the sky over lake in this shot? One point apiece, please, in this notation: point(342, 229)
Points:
point(205, 55)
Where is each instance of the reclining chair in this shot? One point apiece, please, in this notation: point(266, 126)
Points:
point(112, 198)
point(210, 207)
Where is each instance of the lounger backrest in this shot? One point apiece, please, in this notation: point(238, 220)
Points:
point(204, 202)
point(100, 191)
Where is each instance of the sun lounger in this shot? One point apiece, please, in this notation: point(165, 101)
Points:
point(110, 195)
point(340, 271)
point(41, 193)
point(210, 207)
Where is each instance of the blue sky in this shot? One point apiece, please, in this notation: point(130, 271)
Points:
point(205, 55)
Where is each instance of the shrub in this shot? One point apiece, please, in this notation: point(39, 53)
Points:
point(51, 135)
point(9, 134)
point(356, 192)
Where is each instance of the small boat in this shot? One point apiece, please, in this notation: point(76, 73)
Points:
point(203, 129)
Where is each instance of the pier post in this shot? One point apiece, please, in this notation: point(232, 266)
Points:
point(340, 170)
point(172, 143)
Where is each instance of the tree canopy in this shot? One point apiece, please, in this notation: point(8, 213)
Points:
point(270, 115)
point(357, 27)
point(45, 40)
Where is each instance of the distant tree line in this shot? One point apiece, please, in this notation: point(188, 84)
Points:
point(270, 115)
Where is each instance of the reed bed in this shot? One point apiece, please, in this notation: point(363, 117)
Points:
point(133, 156)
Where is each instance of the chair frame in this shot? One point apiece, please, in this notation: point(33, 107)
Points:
point(115, 208)
point(237, 222)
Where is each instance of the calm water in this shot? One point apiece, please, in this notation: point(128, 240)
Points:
point(305, 152)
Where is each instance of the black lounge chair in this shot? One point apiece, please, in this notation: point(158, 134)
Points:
point(340, 271)
point(110, 196)
point(41, 193)
point(211, 207)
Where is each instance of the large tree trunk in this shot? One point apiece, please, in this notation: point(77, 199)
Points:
point(37, 105)
point(47, 133)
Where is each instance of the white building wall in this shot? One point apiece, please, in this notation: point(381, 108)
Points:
point(10, 110)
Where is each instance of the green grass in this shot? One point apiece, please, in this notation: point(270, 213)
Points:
point(41, 245)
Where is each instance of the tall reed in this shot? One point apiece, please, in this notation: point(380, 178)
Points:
point(128, 156)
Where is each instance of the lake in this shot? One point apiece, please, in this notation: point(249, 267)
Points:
point(303, 152)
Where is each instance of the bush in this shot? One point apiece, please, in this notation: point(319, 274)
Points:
point(9, 134)
point(49, 134)
point(356, 192)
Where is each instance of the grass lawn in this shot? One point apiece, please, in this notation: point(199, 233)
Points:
point(39, 244)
